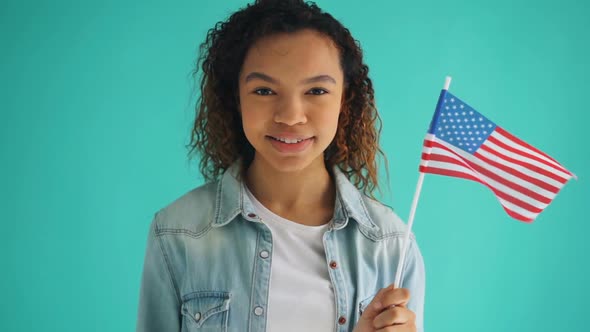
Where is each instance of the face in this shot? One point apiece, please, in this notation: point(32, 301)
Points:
point(291, 88)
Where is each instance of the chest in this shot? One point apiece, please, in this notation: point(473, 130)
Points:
point(244, 280)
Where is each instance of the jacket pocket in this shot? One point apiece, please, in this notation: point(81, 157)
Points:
point(206, 310)
point(364, 303)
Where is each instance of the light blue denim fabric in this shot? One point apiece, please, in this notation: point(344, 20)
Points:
point(208, 260)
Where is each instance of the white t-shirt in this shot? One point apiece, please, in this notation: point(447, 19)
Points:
point(301, 297)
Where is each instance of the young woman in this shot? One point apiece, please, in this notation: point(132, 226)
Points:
point(286, 235)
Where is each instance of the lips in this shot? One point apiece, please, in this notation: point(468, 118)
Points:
point(290, 144)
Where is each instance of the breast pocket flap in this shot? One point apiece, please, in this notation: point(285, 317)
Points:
point(364, 303)
point(207, 308)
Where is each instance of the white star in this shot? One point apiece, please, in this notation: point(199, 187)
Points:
point(444, 120)
point(452, 100)
point(469, 133)
point(472, 138)
point(467, 126)
point(460, 143)
point(439, 128)
point(442, 135)
point(447, 107)
point(442, 113)
point(463, 113)
point(451, 139)
point(470, 112)
point(469, 149)
point(458, 138)
point(479, 138)
point(456, 133)
point(472, 119)
point(448, 132)
point(460, 127)
point(454, 106)
point(462, 133)
point(446, 127)
point(461, 106)
point(456, 113)
point(485, 132)
point(453, 126)
point(477, 132)
point(475, 126)
point(445, 100)
point(480, 119)
point(490, 125)
point(452, 120)
point(449, 114)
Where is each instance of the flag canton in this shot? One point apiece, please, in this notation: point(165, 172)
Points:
point(460, 125)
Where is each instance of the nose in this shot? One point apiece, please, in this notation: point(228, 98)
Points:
point(290, 111)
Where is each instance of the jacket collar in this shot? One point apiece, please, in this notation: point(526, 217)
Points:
point(231, 200)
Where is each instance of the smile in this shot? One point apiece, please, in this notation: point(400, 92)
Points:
point(290, 145)
point(288, 140)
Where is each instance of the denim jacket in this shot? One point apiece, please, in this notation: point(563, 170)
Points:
point(207, 262)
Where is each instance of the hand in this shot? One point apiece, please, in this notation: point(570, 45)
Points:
point(388, 313)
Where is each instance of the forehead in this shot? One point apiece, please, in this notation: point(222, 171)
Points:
point(294, 55)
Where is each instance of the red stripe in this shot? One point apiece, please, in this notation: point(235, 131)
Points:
point(450, 160)
point(440, 171)
point(524, 154)
point(524, 164)
point(446, 172)
point(517, 216)
point(505, 196)
point(523, 143)
point(493, 176)
point(515, 172)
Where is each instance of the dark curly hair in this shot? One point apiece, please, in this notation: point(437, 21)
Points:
point(217, 132)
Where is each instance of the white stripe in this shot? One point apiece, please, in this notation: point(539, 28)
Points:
point(521, 169)
point(514, 179)
point(510, 177)
point(498, 186)
point(448, 166)
point(517, 209)
point(525, 159)
point(518, 146)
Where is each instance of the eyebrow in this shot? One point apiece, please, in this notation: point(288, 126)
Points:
point(315, 79)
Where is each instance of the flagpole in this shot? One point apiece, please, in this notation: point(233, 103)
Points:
point(400, 264)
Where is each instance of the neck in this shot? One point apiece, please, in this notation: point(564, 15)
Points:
point(294, 195)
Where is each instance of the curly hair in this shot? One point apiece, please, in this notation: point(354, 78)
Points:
point(217, 132)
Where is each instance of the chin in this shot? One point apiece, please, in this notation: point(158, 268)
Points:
point(289, 164)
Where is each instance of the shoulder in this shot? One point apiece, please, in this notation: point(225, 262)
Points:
point(388, 223)
point(192, 212)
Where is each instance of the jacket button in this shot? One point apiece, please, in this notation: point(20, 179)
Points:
point(333, 264)
point(264, 254)
point(258, 311)
point(341, 320)
point(197, 316)
point(252, 215)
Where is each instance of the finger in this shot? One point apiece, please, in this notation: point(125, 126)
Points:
point(395, 315)
point(398, 328)
point(395, 297)
point(375, 307)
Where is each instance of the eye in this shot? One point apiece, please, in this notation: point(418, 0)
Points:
point(263, 92)
point(318, 91)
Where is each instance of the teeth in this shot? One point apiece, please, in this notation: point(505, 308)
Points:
point(288, 141)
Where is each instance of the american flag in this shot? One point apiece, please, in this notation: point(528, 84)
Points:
point(463, 143)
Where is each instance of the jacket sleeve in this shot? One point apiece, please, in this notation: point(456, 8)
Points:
point(414, 279)
point(159, 305)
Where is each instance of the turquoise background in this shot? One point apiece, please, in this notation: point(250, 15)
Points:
point(96, 107)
